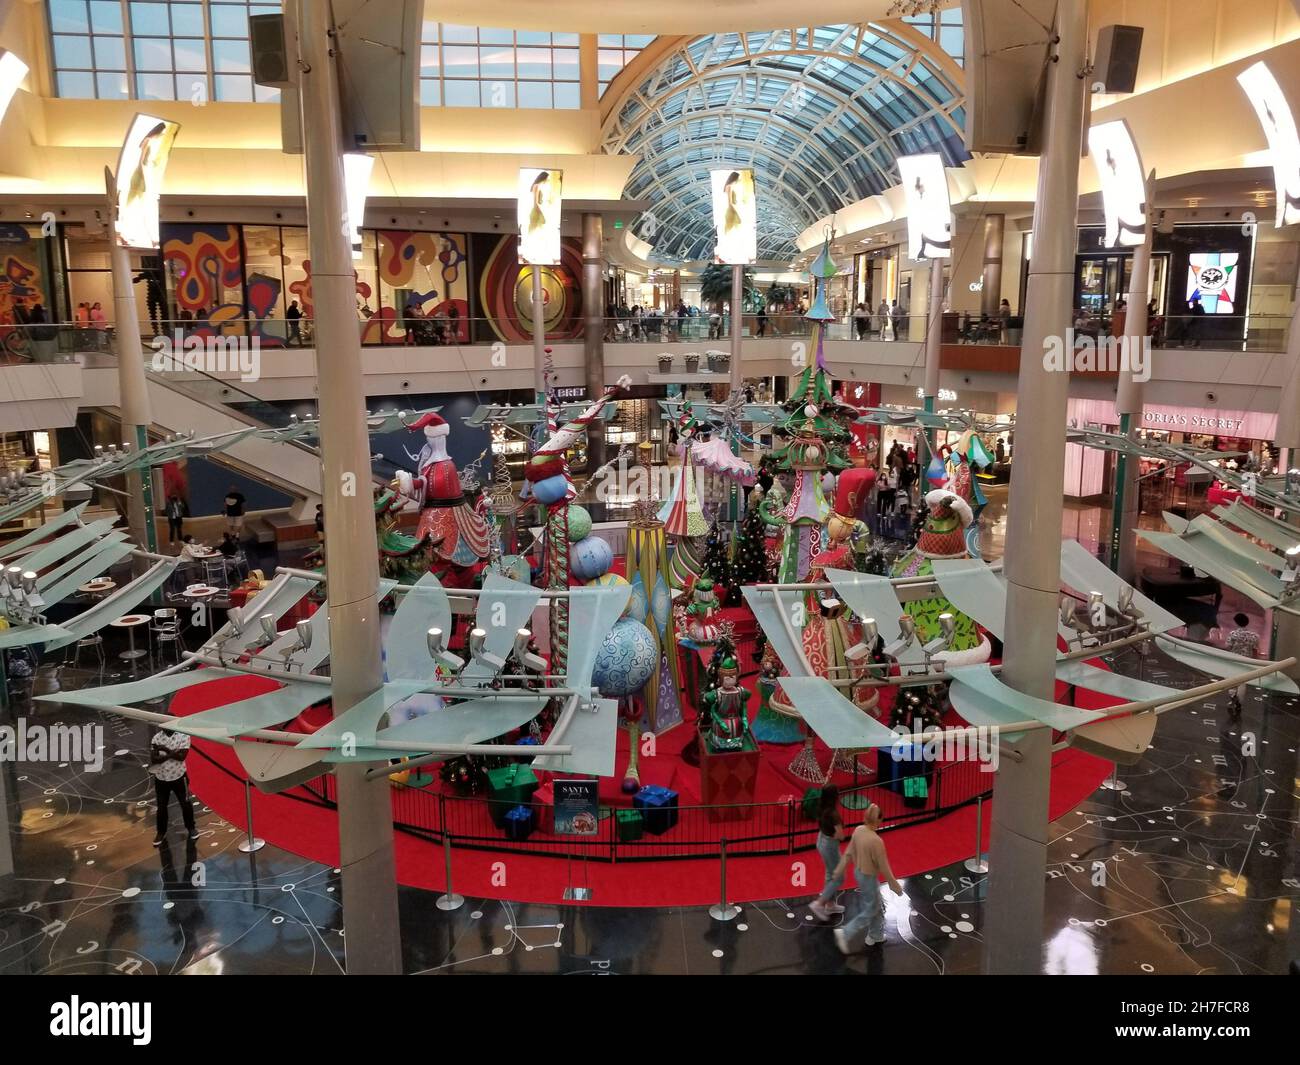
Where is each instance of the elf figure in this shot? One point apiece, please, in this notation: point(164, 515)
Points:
point(701, 615)
point(726, 708)
point(458, 531)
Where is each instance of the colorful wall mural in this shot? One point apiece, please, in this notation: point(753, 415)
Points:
point(424, 289)
point(22, 281)
point(505, 291)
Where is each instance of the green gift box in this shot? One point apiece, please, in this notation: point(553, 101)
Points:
point(509, 786)
point(915, 791)
point(630, 825)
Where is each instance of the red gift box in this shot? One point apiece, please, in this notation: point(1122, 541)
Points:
point(544, 807)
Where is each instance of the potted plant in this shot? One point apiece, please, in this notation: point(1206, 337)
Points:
point(665, 363)
point(719, 361)
point(692, 362)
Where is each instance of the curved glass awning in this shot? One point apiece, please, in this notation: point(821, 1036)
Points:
point(821, 114)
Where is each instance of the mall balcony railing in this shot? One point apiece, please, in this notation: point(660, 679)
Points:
point(60, 341)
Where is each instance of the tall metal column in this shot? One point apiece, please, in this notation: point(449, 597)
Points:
point(737, 324)
point(370, 920)
point(593, 337)
point(132, 388)
point(1128, 404)
point(991, 290)
point(933, 357)
point(539, 337)
point(1013, 930)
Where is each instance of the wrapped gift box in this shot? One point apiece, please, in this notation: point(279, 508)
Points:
point(630, 825)
point(658, 807)
point(893, 771)
point(509, 786)
point(916, 790)
point(727, 778)
point(519, 822)
point(544, 808)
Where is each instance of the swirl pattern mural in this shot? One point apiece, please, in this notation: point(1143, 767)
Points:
point(505, 291)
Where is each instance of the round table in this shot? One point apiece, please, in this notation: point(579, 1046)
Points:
point(131, 622)
point(97, 588)
point(201, 594)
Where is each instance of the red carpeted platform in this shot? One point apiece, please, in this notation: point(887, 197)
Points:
point(311, 830)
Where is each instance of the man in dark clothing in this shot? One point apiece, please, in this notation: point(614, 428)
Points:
point(294, 318)
point(175, 518)
point(234, 511)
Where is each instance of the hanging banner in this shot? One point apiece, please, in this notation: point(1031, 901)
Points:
point(140, 169)
point(735, 216)
point(1123, 184)
point(541, 193)
point(929, 212)
point(1275, 116)
point(356, 183)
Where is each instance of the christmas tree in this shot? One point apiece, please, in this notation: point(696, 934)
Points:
point(750, 563)
point(717, 564)
point(813, 411)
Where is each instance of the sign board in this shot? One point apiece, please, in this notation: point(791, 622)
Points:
point(577, 807)
point(540, 195)
point(140, 169)
point(1123, 185)
point(929, 212)
point(735, 216)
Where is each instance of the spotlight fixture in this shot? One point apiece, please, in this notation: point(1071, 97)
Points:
point(267, 621)
point(870, 634)
point(235, 619)
point(439, 653)
point(34, 600)
point(527, 660)
point(1096, 609)
point(479, 652)
point(942, 642)
point(906, 637)
point(303, 629)
point(1292, 570)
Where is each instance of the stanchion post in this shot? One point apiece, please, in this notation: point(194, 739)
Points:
point(251, 843)
point(1112, 782)
point(448, 900)
point(978, 864)
point(722, 910)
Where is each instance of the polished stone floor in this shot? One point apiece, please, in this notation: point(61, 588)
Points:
point(1193, 868)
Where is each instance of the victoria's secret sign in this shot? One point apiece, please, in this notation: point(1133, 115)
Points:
point(1191, 420)
point(1244, 425)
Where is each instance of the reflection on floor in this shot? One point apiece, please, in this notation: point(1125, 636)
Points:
point(1193, 868)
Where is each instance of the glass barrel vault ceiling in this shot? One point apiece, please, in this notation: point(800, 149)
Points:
point(821, 114)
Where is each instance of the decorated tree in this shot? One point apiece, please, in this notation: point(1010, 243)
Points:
point(717, 563)
point(750, 565)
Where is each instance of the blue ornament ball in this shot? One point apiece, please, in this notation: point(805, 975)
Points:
point(590, 558)
point(626, 659)
point(550, 489)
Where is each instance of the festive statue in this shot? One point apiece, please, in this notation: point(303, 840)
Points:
point(807, 511)
point(944, 536)
point(852, 490)
point(725, 706)
point(681, 513)
point(547, 477)
point(701, 615)
point(402, 558)
point(458, 531)
point(772, 512)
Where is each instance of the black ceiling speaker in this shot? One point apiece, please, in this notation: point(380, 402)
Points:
point(1116, 64)
point(270, 57)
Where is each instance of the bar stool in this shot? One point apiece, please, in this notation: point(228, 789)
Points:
point(165, 634)
point(95, 643)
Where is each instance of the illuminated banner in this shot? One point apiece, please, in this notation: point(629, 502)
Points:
point(735, 216)
point(540, 195)
point(929, 214)
point(140, 170)
point(356, 183)
point(1123, 184)
point(1279, 127)
point(12, 72)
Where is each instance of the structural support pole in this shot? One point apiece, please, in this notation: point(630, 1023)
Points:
point(539, 337)
point(1013, 933)
point(133, 389)
point(1288, 411)
point(370, 919)
point(737, 324)
point(991, 276)
point(933, 358)
point(593, 338)
point(1128, 403)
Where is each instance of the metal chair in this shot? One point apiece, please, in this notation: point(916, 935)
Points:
point(95, 642)
point(165, 636)
point(214, 572)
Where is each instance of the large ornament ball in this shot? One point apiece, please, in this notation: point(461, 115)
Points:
point(590, 558)
point(626, 659)
point(550, 489)
point(610, 580)
point(579, 523)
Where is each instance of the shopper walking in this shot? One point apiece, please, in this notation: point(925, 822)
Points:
point(167, 753)
point(899, 318)
point(294, 317)
point(234, 503)
point(866, 853)
point(175, 518)
point(830, 833)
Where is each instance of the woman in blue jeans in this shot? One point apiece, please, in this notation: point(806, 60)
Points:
point(866, 851)
point(831, 832)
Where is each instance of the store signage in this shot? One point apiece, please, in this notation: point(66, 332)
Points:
point(977, 286)
point(577, 807)
point(140, 169)
point(356, 183)
point(1275, 116)
point(735, 216)
point(570, 393)
point(540, 194)
point(929, 212)
point(1205, 423)
point(1123, 184)
point(1243, 424)
point(12, 72)
point(946, 395)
